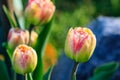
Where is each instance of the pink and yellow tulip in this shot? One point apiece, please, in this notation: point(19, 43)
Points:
point(24, 59)
point(39, 11)
point(80, 44)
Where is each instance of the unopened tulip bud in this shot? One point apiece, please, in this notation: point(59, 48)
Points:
point(17, 36)
point(24, 59)
point(33, 38)
point(80, 44)
point(39, 11)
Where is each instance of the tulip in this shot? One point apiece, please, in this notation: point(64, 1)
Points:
point(39, 11)
point(80, 44)
point(29, 1)
point(24, 59)
point(33, 38)
point(17, 36)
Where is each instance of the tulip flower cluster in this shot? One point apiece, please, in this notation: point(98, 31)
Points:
point(23, 56)
point(18, 36)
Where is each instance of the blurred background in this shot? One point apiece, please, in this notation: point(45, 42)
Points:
point(73, 13)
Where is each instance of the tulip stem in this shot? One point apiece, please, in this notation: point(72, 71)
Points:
point(26, 78)
point(74, 70)
point(14, 76)
point(31, 27)
point(30, 76)
point(30, 30)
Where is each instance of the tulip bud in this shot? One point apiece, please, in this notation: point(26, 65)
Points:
point(24, 59)
point(33, 38)
point(80, 44)
point(17, 36)
point(39, 11)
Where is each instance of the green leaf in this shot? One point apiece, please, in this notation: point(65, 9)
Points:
point(12, 23)
point(9, 52)
point(40, 45)
point(24, 2)
point(48, 74)
point(111, 67)
point(105, 71)
point(100, 76)
point(16, 19)
point(3, 71)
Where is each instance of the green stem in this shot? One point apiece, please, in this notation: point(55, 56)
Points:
point(17, 21)
point(74, 70)
point(14, 76)
point(29, 75)
point(30, 30)
point(40, 44)
point(26, 78)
